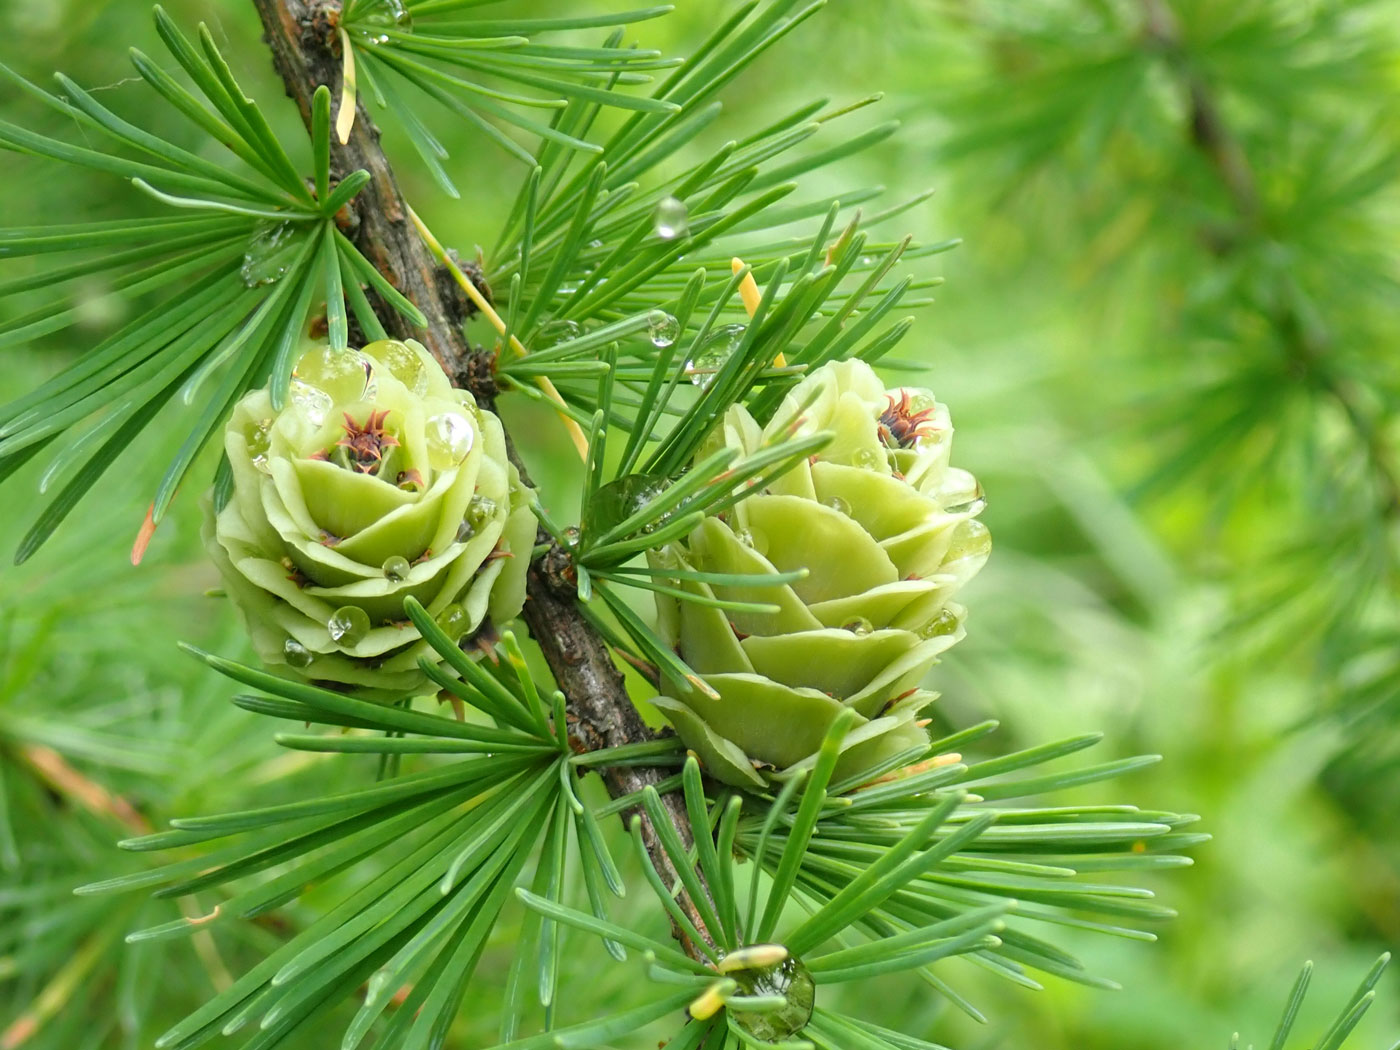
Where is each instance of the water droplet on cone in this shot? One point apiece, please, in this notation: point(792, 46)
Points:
point(296, 654)
point(348, 626)
point(450, 436)
point(314, 402)
point(343, 374)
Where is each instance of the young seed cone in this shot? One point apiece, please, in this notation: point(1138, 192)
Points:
point(377, 480)
point(886, 532)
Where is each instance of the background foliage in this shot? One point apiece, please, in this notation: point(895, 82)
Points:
point(1166, 347)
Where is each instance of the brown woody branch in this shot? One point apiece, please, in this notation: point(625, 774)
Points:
point(306, 52)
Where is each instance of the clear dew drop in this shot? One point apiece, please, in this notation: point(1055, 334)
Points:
point(755, 539)
point(858, 625)
point(396, 568)
point(392, 13)
point(465, 531)
point(976, 505)
point(618, 500)
point(450, 436)
point(345, 375)
point(269, 254)
point(662, 328)
point(921, 401)
point(258, 435)
point(718, 348)
point(789, 979)
point(868, 458)
point(945, 623)
point(348, 626)
point(971, 539)
point(479, 511)
point(401, 362)
point(454, 622)
point(315, 404)
point(296, 654)
point(839, 505)
point(552, 333)
point(671, 219)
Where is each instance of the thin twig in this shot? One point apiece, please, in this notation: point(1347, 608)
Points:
point(303, 40)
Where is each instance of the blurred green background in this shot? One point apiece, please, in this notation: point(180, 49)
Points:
point(1168, 342)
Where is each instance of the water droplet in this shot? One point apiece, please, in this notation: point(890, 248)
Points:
point(946, 622)
point(343, 374)
point(396, 568)
point(315, 404)
point(618, 500)
point(479, 511)
point(552, 333)
point(269, 254)
point(671, 219)
point(789, 979)
point(663, 328)
point(392, 13)
point(465, 531)
point(976, 505)
point(258, 435)
point(296, 654)
point(450, 436)
point(402, 362)
point(868, 458)
point(858, 625)
point(454, 621)
point(836, 503)
point(971, 539)
point(348, 626)
point(717, 348)
point(921, 401)
point(756, 539)
point(867, 260)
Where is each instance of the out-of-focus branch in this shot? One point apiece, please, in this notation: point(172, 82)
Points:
point(1211, 136)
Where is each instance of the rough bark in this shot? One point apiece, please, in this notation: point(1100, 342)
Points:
point(306, 51)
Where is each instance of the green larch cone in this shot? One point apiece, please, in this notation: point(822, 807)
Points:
point(886, 531)
point(377, 480)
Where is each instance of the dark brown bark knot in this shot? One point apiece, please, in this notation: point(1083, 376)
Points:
point(478, 375)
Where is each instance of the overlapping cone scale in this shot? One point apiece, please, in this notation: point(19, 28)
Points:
point(886, 532)
point(376, 481)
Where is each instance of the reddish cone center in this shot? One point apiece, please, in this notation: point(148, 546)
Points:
point(365, 445)
point(902, 427)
